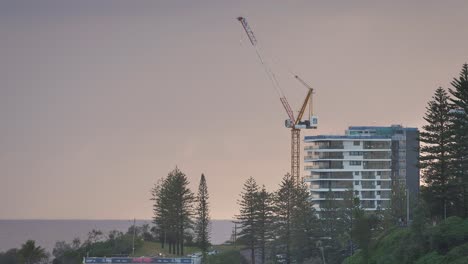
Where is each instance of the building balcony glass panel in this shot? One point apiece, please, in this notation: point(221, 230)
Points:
point(377, 145)
point(368, 184)
point(368, 194)
point(376, 165)
point(329, 145)
point(385, 194)
point(332, 184)
point(384, 174)
point(385, 185)
point(330, 155)
point(332, 175)
point(368, 175)
point(334, 195)
point(328, 165)
point(377, 155)
point(306, 148)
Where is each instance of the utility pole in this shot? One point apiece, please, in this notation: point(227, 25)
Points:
point(407, 206)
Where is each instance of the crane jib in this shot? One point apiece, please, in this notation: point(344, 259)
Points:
point(247, 29)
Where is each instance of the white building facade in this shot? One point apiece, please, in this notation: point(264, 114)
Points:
point(336, 165)
point(367, 161)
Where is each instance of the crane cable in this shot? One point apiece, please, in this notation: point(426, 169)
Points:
point(266, 67)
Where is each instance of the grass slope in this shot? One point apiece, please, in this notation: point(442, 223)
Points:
point(442, 244)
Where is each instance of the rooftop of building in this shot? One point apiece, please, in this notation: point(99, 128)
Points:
point(379, 128)
point(349, 137)
point(366, 132)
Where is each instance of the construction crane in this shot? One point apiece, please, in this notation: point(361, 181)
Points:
point(296, 124)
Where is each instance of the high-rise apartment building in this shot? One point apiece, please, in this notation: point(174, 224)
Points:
point(367, 160)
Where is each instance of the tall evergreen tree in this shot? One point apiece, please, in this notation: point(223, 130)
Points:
point(264, 216)
point(202, 222)
point(160, 212)
point(435, 151)
point(173, 209)
point(459, 92)
point(362, 232)
point(329, 214)
point(305, 225)
point(247, 217)
point(398, 203)
point(284, 206)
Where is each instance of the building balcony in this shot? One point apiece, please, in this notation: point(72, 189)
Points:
point(377, 145)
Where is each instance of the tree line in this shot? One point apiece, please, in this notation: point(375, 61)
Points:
point(114, 243)
point(180, 218)
point(444, 150)
point(283, 226)
point(179, 214)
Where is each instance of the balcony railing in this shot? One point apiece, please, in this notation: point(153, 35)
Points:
point(376, 165)
point(332, 175)
point(377, 155)
point(333, 185)
point(329, 145)
point(325, 155)
point(376, 145)
point(368, 185)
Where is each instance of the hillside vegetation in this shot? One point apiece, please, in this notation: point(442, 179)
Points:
point(420, 244)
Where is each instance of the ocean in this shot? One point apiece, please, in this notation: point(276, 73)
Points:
point(13, 233)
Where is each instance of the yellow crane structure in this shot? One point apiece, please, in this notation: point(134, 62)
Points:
point(294, 123)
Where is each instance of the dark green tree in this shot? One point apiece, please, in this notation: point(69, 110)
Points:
point(247, 218)
point(305, 225)
point(264, 220)
point(284, 209)
point(398, 203)
point(173, 209)
point(69, 253)
point(459, 150)
point(436, 138)
point(202, 218)
point(11, 256)
point(160, 209)
point(361, 232)
point(31, 254)
point(329, 215)
point(332, 226)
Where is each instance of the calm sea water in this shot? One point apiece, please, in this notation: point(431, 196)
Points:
point(13, 233)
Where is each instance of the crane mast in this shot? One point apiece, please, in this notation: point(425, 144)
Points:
point(294, 123)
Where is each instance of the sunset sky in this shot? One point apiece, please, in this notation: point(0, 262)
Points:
point(99, 99)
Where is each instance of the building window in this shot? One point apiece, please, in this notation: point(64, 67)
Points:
point(356, 183)
point(356, 173)
point(357, 143)
point(378, 182)
point(355, 153)
point(354, 163)
point(356, 193)
point(378, 192)
point(379, 173)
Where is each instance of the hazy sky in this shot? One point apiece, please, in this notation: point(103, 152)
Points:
point(98, 99)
